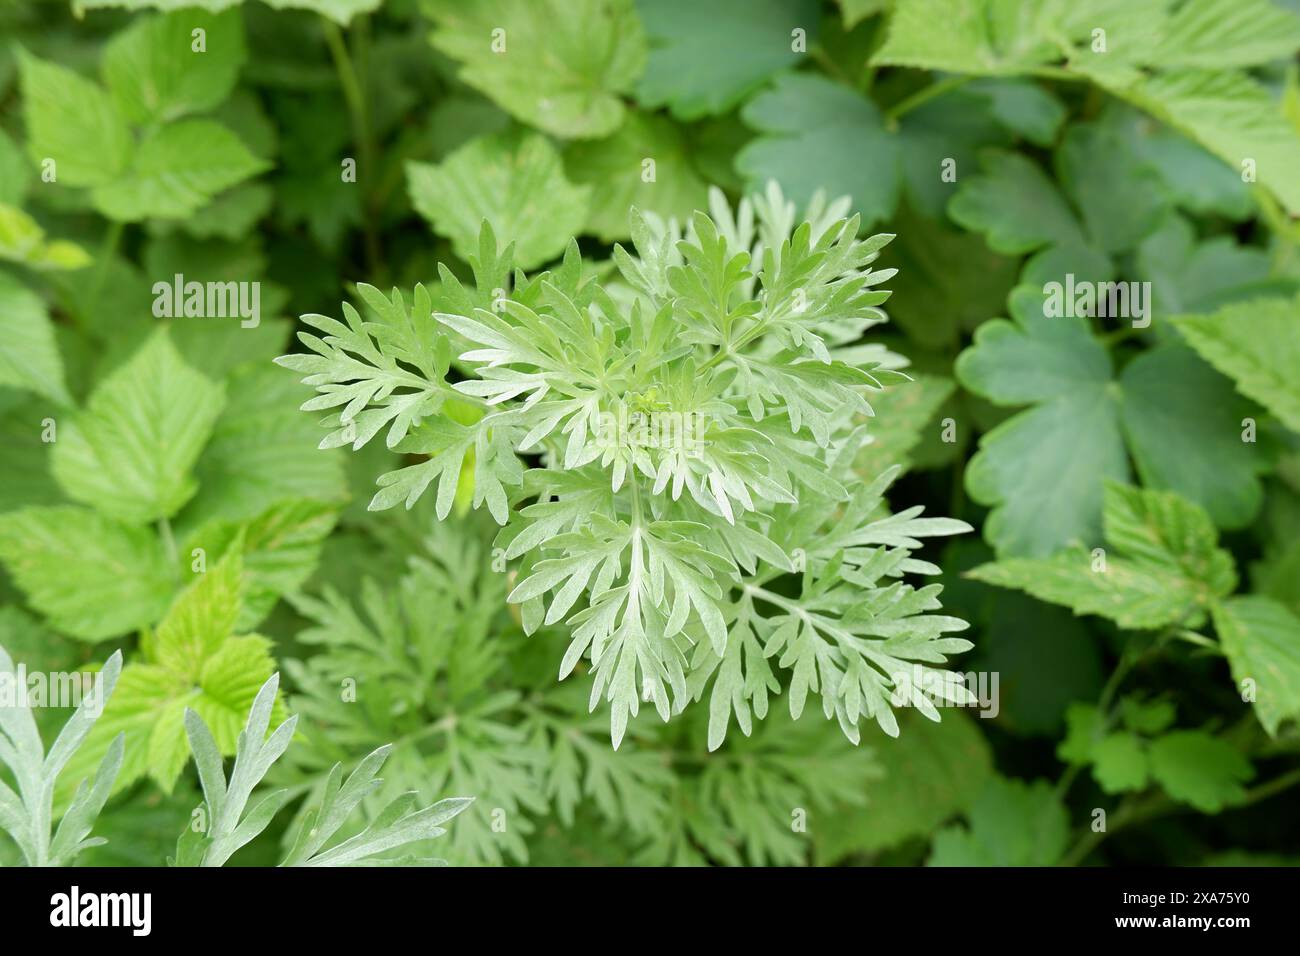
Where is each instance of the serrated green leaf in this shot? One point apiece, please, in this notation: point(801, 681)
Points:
point(560, 65)
point(262, 451)
point(1261, 638)
point(131, 452)
point(92, 577)
point(617, 170)
point(191, 661)
point(1164, 567)
point(29, 356)
point(1230, 115)
point(280, 550)
point(176, 171)
point(1254, 343)
point(513, 180)
point(155, 74)
point(73, 122)
point(23, 241)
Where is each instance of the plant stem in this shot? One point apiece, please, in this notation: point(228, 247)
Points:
point(901, 109)
point(1127, 661)
point(355, 98)
point(1134, 810)
point(111, 240)
point(1272, 788)
point(169, 545)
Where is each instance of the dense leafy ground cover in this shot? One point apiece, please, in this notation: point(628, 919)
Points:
point(745, 432)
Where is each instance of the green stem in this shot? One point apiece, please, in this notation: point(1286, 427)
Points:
point(1121, 334)
point(359, 115)
point(111, 241)
point(924, 95)
point(824, 60)
point(1127, 661)
point(1272, 788)
point(1283, 228)
point(169, 545)
point(1131, 810)
point(1138, 810)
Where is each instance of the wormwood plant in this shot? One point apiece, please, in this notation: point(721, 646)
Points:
point(651, 467)
point(27, 815)
point(670, 456)
point(224, 823)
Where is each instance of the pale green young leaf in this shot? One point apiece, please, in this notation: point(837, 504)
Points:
point(200, 620)
point(176, 170)
point(22, 240)
point(29, 355)
point(513, 180)
point(1261, 638)
point(130, 453)
point(1162, 566)
point(280, 547)
point(73, 122)
point(91, 576)
point(191, 661)
point(559, 65)
point(155, 74)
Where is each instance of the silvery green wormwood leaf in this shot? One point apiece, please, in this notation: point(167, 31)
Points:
point(670, 454)
point(227, 824)
point(27, 815)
